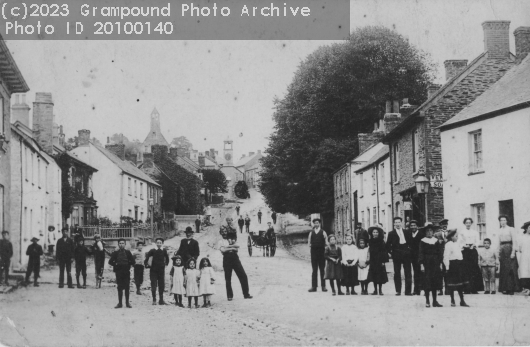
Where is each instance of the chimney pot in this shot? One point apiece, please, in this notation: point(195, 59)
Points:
point(388, 108)
point(108, 139)
point(396, 106)
point(522, 42)
point(497, 38)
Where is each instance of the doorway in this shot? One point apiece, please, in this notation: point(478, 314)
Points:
point(506, 208)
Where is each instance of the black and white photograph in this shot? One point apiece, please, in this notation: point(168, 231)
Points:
point(264, 173)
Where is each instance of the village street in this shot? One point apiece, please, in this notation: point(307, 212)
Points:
point(282, 312)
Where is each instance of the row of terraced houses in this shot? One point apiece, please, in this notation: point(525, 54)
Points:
point(463, 152)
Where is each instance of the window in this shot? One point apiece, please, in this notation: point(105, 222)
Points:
point(479, 216)
point(130, 213)
point(46, 178)
point(142, 216)
point(135, 189)
point(129, 186)
point(2, 120)
point(382, 173)
point(396, 162)
point(31, 171)
point(476, 151)
point(59, 181)
point(375, 216)
point(373, 180)
point(141, 190)
point(368, 217)
point(361, 178)
point(416, 150)
point(26, 158)
point(346, 182)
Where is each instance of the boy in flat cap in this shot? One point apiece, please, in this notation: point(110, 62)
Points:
point(6, 253)
point(34, 252)
point(122, 260)
point(157, 269)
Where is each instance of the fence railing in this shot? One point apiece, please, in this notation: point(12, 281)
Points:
point(117, 232)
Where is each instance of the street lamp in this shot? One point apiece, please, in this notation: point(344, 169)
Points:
point(422, 188)
point(422, 183)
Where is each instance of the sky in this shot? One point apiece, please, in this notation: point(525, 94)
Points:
point(211, 90)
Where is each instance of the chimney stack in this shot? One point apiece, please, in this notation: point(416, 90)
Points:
point(432, 89)
point(61, 135)
point(202, 161)
point(83, 138)
point(20, 110)
point(148, 159)
point(250, 154)
point(118, 150)
point(454, 67)
point(207, 153)
point(497, 39)
point(390, 120)
point(522, 42)
point(43, 121)
point(173, 153)
point(367, 140)
point(212, 153)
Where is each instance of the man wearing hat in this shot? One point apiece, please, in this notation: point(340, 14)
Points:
point(317, 242)
point(399, 246)
point(34, 251)
point(160, 259)
point(360, 233)
point(189, 248)
point(417, 235)
point(122, 260)
point(64, 255)
point(6, 253)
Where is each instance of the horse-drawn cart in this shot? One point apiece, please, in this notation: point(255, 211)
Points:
point(265, 241)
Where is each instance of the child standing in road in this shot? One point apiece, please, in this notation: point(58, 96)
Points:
point(333, 271)
point(350, 258)
point(206, 287)
point(489, 263)
point(139, 258)
point(176, 276)
point(80, 254)
point(191, 282)
point(363, 265)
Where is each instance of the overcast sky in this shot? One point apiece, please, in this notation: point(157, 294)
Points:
point(208, 90)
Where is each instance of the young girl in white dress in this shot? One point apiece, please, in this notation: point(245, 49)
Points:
point(207, 284)
point(364, 266)
point(191, 282)
point(176, 276)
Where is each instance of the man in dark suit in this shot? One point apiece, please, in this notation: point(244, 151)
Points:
point(189, 248)
point(416, 235)
point(122, 260)
point(157, 270)
point(360, 233)
point(398, 245)
point(198, 224)
point(6, 253)
point(34, 251)
point(64, 255)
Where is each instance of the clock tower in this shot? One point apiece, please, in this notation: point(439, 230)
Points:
point(228, 152)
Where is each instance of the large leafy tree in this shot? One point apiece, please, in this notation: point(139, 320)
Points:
point(214, 182)
point(339, 91)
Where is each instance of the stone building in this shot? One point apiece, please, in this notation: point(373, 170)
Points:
point(413, 135)
point(232, 173)
point(250, 166)
point(11, 81)
point(154, 137)
point(485, 151)
point(121, 188)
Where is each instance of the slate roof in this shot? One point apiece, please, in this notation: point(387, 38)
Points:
point(10, 72)
point(512, 90)
point(183, 161)
point(381, 154)
point(126, 166)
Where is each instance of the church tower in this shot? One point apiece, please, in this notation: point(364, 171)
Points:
point(154, 137)
point(229, 152)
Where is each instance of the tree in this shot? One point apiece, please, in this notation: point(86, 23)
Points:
point(182, 141)
point(214, 182)
point(241, 190)
point(338, 92)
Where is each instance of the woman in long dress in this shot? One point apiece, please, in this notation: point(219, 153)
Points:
point(430, 256)
point(508, 278)
point(469, 239)
point(524, 264)
point(378, 257)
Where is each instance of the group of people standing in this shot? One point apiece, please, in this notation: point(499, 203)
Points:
point(431, 256)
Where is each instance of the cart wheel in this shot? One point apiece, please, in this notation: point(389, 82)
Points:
point(249, 244)
point(268, 251)
point(273, 248)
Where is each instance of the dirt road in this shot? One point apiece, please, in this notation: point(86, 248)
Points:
point(282, 312)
